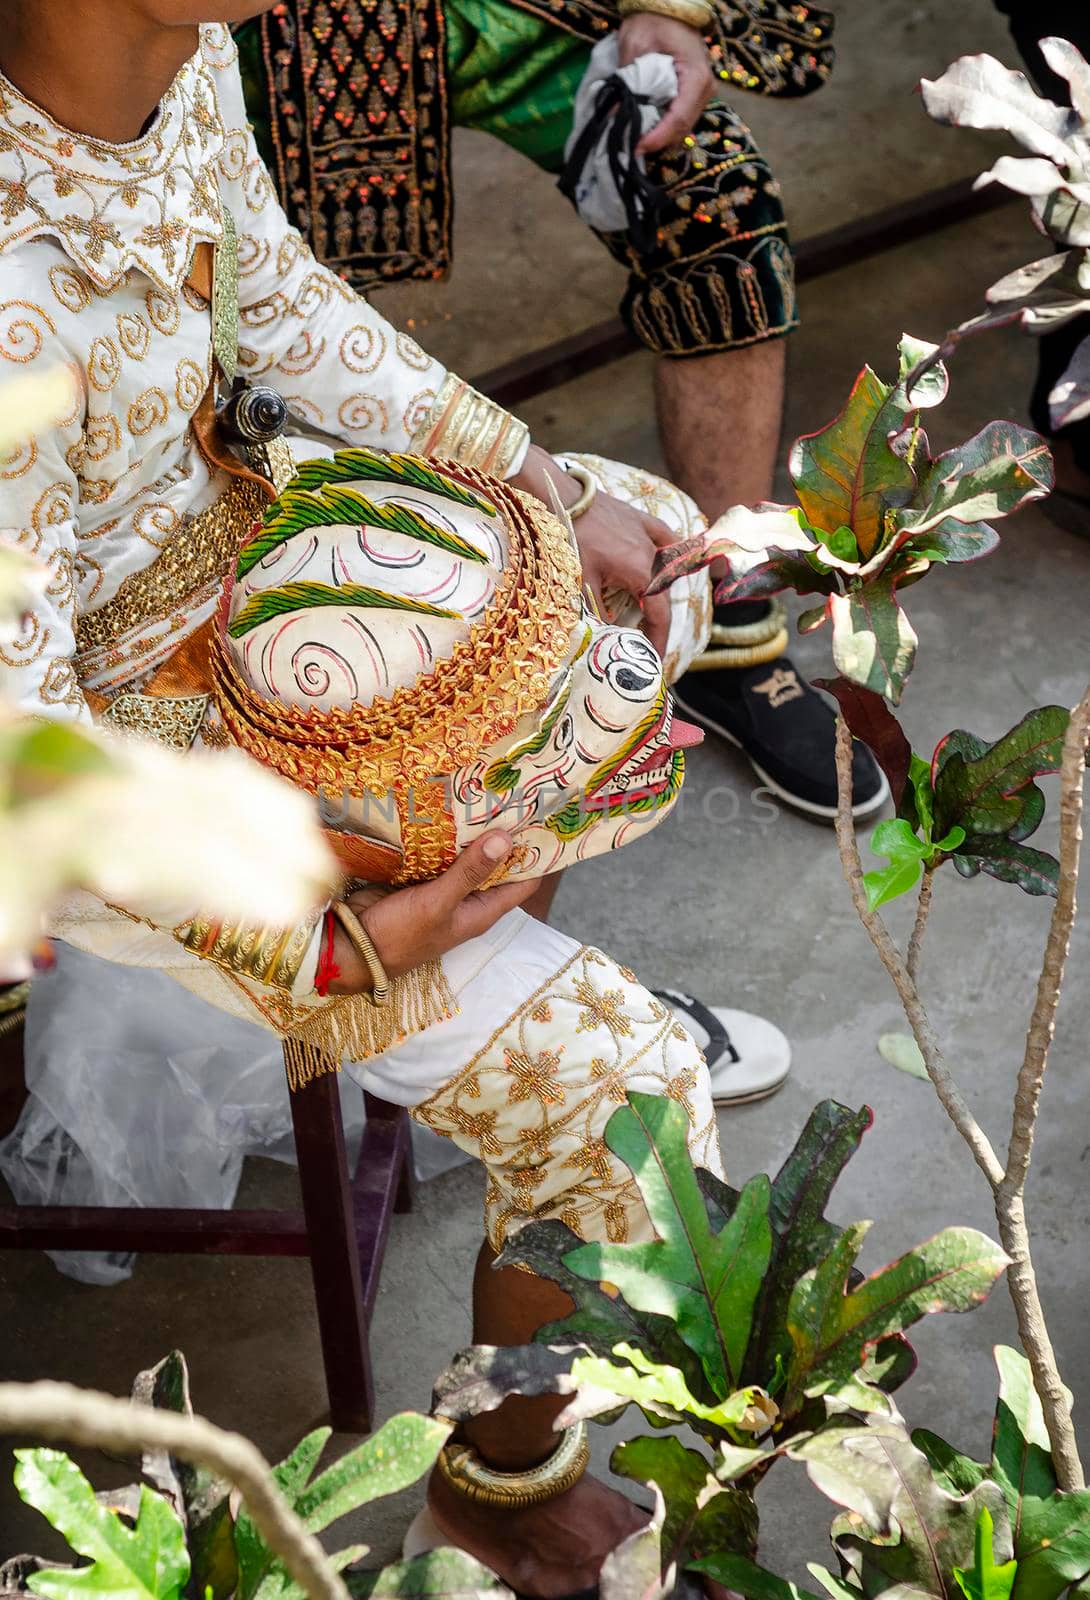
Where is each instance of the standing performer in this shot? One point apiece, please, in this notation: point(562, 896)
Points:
point(354, 101)
point(140, 240)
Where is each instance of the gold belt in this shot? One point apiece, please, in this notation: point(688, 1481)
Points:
point(200, 552)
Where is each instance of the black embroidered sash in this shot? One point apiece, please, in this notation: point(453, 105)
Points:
point(360, 122)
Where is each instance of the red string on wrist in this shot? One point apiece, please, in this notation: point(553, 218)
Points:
point(327, 968)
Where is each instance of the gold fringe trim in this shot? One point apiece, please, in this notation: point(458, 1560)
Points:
point(353, 1028)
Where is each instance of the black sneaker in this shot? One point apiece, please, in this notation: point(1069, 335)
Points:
point(786, 729)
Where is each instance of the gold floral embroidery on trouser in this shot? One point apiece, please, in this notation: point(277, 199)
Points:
point(534, 1102)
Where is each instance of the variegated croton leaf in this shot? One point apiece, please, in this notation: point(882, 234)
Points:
point(875, 512)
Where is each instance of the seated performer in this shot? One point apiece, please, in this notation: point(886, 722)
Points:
point(140, 240)
point(353, 104)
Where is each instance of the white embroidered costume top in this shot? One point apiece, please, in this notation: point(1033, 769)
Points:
point(96, 242)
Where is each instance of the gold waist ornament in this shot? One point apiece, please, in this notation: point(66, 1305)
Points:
point(200, 553)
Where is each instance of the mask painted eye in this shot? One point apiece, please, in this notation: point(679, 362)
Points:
point(633, 670)
point(565, 732)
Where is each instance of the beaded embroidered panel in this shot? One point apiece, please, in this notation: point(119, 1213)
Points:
point(360, 120)
point(359, 126)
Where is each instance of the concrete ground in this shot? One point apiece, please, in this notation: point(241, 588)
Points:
point(735, 903)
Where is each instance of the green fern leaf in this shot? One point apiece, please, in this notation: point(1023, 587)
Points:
point(303, 596)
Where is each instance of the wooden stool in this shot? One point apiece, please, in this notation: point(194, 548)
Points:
point(343, 1225)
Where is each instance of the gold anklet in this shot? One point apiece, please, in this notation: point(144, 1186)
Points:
point(734, 656)
point(461, 1467)
point(751, 632)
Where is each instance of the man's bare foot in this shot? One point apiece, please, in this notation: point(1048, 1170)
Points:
point(548, 1551)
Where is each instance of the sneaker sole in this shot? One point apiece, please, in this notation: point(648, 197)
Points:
point(811, 808)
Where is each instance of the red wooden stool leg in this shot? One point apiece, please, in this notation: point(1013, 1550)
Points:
point(327, 1192)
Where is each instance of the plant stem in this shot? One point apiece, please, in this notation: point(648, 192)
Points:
point(946, 1088)
point(62, 1412)
point(1010, 1196)
point(1043, 1021)
point(923, 908)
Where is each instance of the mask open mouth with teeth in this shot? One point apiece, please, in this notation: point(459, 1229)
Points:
point(410, 642)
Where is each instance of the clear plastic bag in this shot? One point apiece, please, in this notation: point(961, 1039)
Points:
point(143, 1095)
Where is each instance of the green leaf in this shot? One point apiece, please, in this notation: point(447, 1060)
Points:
point(801, 1235)
point(1051, 1529)
point(874, 644)
point(1034, 871)
point(634, 1570)
point(602, 1318)
point(707, 1283)
point(984, 1580)
point(906, 853)
point(301, 596)
point(952, 542)
point(976, 783)
point(902, 1052)
point(254, 1558)
point(660, 1390)
point(444, 1574)
point(746, 1578)
point(831, 1327)
point(886, 1482)
point(202, 1499)
point(702, 1516)
point(991, 475)
point(399, 1454)
point(840, 543)
point(846, 473)
point(783, 569)
point(145, 1562)
point(917, 806)
point(955, 1473)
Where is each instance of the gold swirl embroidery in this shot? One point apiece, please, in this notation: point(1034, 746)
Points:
point(133, 335)
point(53, 507)
point(362, 348)
point(60, 686)
point(21, 338)
point(417, 412)
point(411, 353)
point(190, 383)
point(253, 254)
point(102, 436)
point(155, 523)
point(103, 364)
point(164, 311)
point(304, 355)
point(19, 461)
point(364, 413)
point(149, 410)
point(71, 289)
point(232, 161)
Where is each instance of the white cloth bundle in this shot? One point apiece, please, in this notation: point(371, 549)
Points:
point(651, 78)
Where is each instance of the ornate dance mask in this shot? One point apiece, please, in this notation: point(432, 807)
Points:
point(413, 646)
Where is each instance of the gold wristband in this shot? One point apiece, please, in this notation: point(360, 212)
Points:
point(272, 956)
point(694, 13)
point(364, 945)
point(469, 428)
point(589, 494)
point(468, 1475)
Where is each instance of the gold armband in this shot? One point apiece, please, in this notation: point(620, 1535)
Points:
point(271, 956)
point(466, 427)
point(694, 13)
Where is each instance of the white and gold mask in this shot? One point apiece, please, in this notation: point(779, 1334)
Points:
point(414, 647)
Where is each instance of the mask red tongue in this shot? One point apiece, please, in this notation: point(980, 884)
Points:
point(684, 735)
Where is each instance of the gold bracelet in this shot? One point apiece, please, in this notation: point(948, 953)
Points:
point(694, 13)
point(589, 495)
point(469, 428)
point(468, 1475)
point(270, 956)
point(364, 945)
